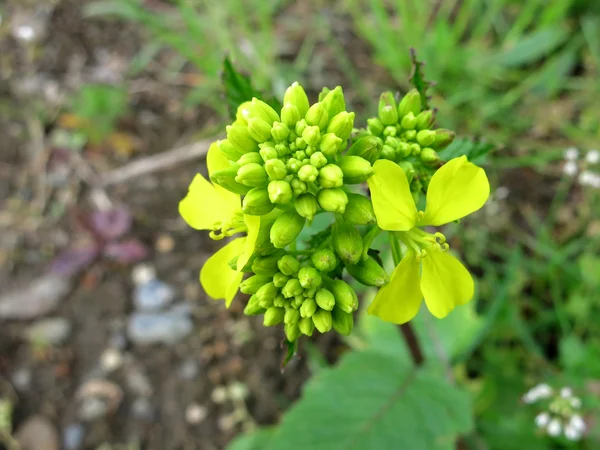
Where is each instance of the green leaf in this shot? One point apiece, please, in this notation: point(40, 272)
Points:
point(417, 78)
point(257, 440)
point(374, 401)
point(475, 150)
point(533, 47)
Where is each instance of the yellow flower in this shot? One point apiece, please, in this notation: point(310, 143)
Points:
point(426, 271)
point(211, 207)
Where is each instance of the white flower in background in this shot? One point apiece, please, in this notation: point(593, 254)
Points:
point(502, 192)
point(593, 156)
point(570, 168)
point(571, 154)
point(587, 178)
point(542, 419)
point(142, 274)
point(539, 392)
point(554, 427)
point(575, 428)
point(566, 392)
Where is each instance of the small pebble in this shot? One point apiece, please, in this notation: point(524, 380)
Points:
point(153, 295)
point(165, 243)
point(237, 391)
point(167, 328)
point(138, 382)
point(35, 298)
point(73, 436)
point(142, 274)
point(37, 433)
point(21, 379)
point(189, 370)
point(195, 413)
point(142, 409)
point(92, 408)
point(111, 359)
point(219, 394)
point(50, 331)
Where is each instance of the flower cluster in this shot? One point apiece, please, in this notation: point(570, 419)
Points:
point(587, 168)
point(277, 170)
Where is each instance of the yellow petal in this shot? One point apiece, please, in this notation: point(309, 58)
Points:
point(445, 283)
point(399, 300)
point(390, 193)
point(253, 224)
point(219, 280)
point(203, 206)
point(216, 160)
point(456, 190)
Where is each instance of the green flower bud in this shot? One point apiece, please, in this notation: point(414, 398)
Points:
point(369, 273)
point(301, 144)
point(275, 169)
point(259, 130)
point(355, 169)
point(292, 331)
point(409, 170)
point(308, 173)
point(310, 278)
point(334, 101)
point(359, 210)
point(266, 265)
point(296, 96)
point(347, 242)
point(388, 152)
point(252, 174)
point(429, 156)
point(226, 179)
point(253, 307)
point(322, 320)
point(290, 115)
point(332, 200)
point(243, 113)
point(310, 293)
point(325, 299)
point(280, 131)
point(425, 137)
point(299, 187)
point(345, 297)
point(262, 110)
point(273, 316)
point(341, 125)
point(283, 150)
point(306, 326)
point(299, 128)
point(292, 288)
point(279, 301)
point(311, 135)
point(409, 121)
point(317, 115)
point(239, 137)
point(267, 292)
point(308, 308)
point(280, 192)
point(403, 150)
point(310, 150)
point(293, 165)
point(375, 126)
point(231, 152)
point(410, 135)
point(324, 260)
point(268, 153)
point(288, 265)
point(331, 176)
point(306, 205)
point(415, 149)
point(443, 138)
point(291, 316)
point(249, 158)
point(425, 119)
point(393, 142)
point(318, 160)
point(411, 102)
point(342, 322)
point(323, 93)
point(257, 202)
point(330, 144)
point(388, 111)
point(253, 284)
point(390, 131)
point(297, 301)
point(286, 228)
point(279, 279)
point(367, 147)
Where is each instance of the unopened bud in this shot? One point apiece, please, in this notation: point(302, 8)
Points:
point(334, 101)
point(308, 173)
point(408, 168)
point(278, 301)
point(330, 144)
point(317, 116)
point(411, 102)
point(403, 150)
point(292, 288)
point(323, 93)
point(306, 326)
point(286, 228)
point(367, 147)
point(415, 149)
point(267, 292)
point(343, 322)
point(293, 165)
point(332, 200)
point(257, 203)
point(275, 169)
point(273, 316)
point(347, 242)
point(306, 205)
point(341, 125)
point(375, 126)
point(325, 299)
point(240, 138)
point(280, 192)
point(425, 138)
point(425, 119)
point(345, 297)
point(259, 130)
point(322, 320)
point(253, 284)
point(266, 265)
point(290, 116)
point(311, 135)
point(252, 174)
point(292, 331)
point(249, 158)
point(369, 273)
point(388, 152)
point(298, 130)
point(308, 308)
point(355, 169)
point(318, 160)
point(429, 156)
point(291, 316)
point(324, 260)
point(388, 112)
point(231, 152)
point(443, 138)
point(409, 121)
point(243, 113)
point(359, 210)
point(295, 95)
point(263, 111)
point(331, 176)
point(410, 135)
point(298, 187)
point(309, 277)
point(268, 153)
point(253, 307)
point(226, 179)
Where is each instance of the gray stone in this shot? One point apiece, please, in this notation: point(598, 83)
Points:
point(37, 433)
point(50, 331)
point(153, 295)
point(73, 436)
point(35, 299)
point(166, 328)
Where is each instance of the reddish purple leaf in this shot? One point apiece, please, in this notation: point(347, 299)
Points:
point(74, 259)
point(112, 223)
point(126, 252)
